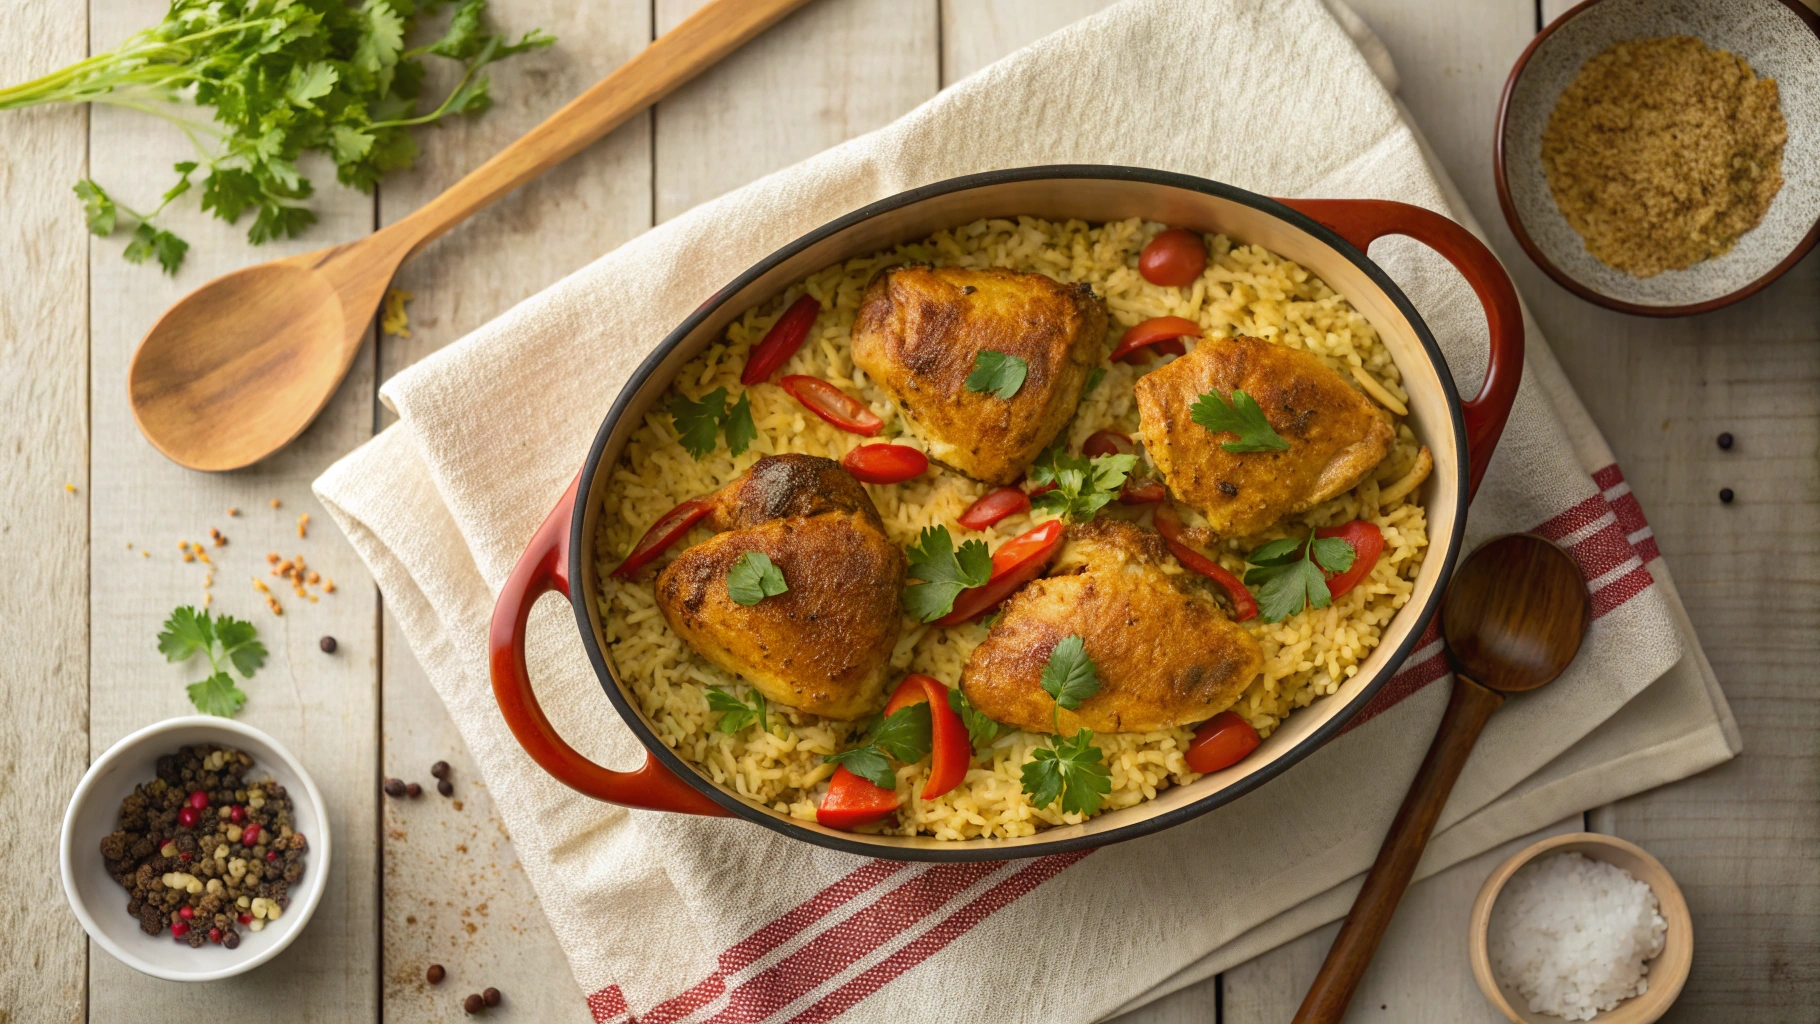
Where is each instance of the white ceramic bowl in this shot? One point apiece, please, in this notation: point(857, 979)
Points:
point(100, 902)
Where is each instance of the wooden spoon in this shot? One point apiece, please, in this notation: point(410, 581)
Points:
point(239, 367)
point(1513, 618)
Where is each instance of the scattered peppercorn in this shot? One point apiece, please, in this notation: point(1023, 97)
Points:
point(473, 1003)
point(1726, 495)
point(413, 790)
point(490, 997)
point(327, 644)
point(1725, 441)
point(435, 974)
point(445, 787)
point(439, 770)
point(393, 787)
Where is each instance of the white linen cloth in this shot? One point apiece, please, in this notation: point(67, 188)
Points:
point(667, 918)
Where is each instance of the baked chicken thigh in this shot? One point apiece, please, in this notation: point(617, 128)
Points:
point(1335, 434)
point(1166, 653)
point(920, 332)
point(822, 645)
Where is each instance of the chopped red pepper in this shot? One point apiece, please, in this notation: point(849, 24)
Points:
point(1015, 563)
point(1221, 742)
point(1244, 606)
point(951, 749)
point(885, 463)
point(1107, 442)
point(1367, 543)
point(1165, 333)
point(781, 341)
point(852, 801)
point(832, 404)
point(996, 505)
point(668, 529)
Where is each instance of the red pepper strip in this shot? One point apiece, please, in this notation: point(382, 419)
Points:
point(781, 341)
point(1107, 442)
point(951, 749)
point(1042, 488)
point(1164, 332)
point(1244, 606)
point(832, 404)
point(1143, 492)
point(1367, 544)
point(996, 505)
point(1015, 563)
point(852, 801)
point(1221, 742)
point(668, 529)
point(885, 463)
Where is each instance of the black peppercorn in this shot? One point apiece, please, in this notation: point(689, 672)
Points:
point(1725, 441)
point(1726, 495)
point(439, 770)
point(473, 1003)
point(327, 644)
point(435, 974)
point(413, 790)
point(393, 787)
point(490, 997)
point(445, 787)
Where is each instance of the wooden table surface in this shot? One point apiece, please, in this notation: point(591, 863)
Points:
point(435, 880)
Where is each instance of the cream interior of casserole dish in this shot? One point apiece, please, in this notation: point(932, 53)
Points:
point(1097, 200)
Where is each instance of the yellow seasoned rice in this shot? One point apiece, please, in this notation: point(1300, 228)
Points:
point(1245, 291)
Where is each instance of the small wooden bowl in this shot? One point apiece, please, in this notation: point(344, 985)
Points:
point(1667, 972)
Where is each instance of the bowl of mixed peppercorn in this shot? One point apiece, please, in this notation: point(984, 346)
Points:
point(195, 849)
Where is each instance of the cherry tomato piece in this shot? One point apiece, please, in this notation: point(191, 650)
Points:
point(885, 463)
point(1107, 442)
point(1015, 563)
point(1164, 333)
point(781, 341)
point(1173, 259)
point(1143, 492)
point(951, 748)
point(1367, 544)
point(852, 801)
point(832, 404)
point(1244, 606)
point(668, 529)
point(1221, 742)
point(996, 505)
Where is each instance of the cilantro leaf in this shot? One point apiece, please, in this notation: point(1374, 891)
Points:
point(1070, 676)
point(1082, 486)
point(217, 695)
point(1332, 553)
point(741, 431)
point(1291, 573)
point(980, 729)
point(997, 373)
point(868, 764)
point(1278, 552)
point(239, 642)
point(383, 39)
point(1242, 418)
point(903, 735)
point(97, 206)
point(736, 714)
point(186, 632)
point(944, 573)
point(753, 578)
point(697, 423)
point(1073, 770)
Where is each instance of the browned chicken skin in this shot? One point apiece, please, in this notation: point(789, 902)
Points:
point(920, 329)
point(824, 645)
point(1166, 654)
point(1336, 435)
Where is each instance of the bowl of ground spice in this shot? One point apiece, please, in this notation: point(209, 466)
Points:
point(1662, 157)
point(195, 849)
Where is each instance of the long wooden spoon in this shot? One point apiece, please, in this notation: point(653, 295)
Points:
point(240, 366)
point(1513, 618)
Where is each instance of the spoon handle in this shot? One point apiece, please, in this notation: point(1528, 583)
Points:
point(703, 38)
point(1467, 712)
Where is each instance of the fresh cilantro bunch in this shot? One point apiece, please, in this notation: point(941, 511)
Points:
point(699, 421)
point(997, 373)
point(282, 77)
point(753, 578)
point(1241, 417)
point(224, 641)
point(944, 572)
point(903, 735)
point(1289, 573)
point(736, 714)
point(1082, 486)
point(1072, 769)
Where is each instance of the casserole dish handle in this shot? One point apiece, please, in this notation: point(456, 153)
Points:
point(1363, 221)
point(544, 567)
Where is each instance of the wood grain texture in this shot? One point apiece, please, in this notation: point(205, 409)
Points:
point(44, 620)
point(977, 32)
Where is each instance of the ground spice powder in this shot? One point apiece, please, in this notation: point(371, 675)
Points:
point(1662, 152)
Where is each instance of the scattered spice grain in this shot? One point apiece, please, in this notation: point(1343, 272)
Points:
point(1725, 441)
point(233, 510)
point(445, 787)
point(473, 1003)
point(1726, 495)
point(276, 503)
point(413, 790)
point(435, 974)
point(439, 770)
point(491, 997)
point(393, 787)
point(327, 644)
point(303, 525)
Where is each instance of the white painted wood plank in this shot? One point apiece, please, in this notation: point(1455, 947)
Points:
point(454, 892)
point(323, 707)
point(977, 32)
point(43, 525)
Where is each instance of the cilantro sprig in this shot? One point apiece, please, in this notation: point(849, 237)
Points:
point(1082, 486)
point(903, 735)
point(980, 729)
point(753, 578)
point(944, 572)
point(280, 78)
point(1072, 769)
point(698, 422)
point(736, 714)
point(997, 373)
point(1241, 417)
point(225, 641)
point(1291, 573)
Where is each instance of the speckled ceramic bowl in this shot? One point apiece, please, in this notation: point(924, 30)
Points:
point(1780, 39)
